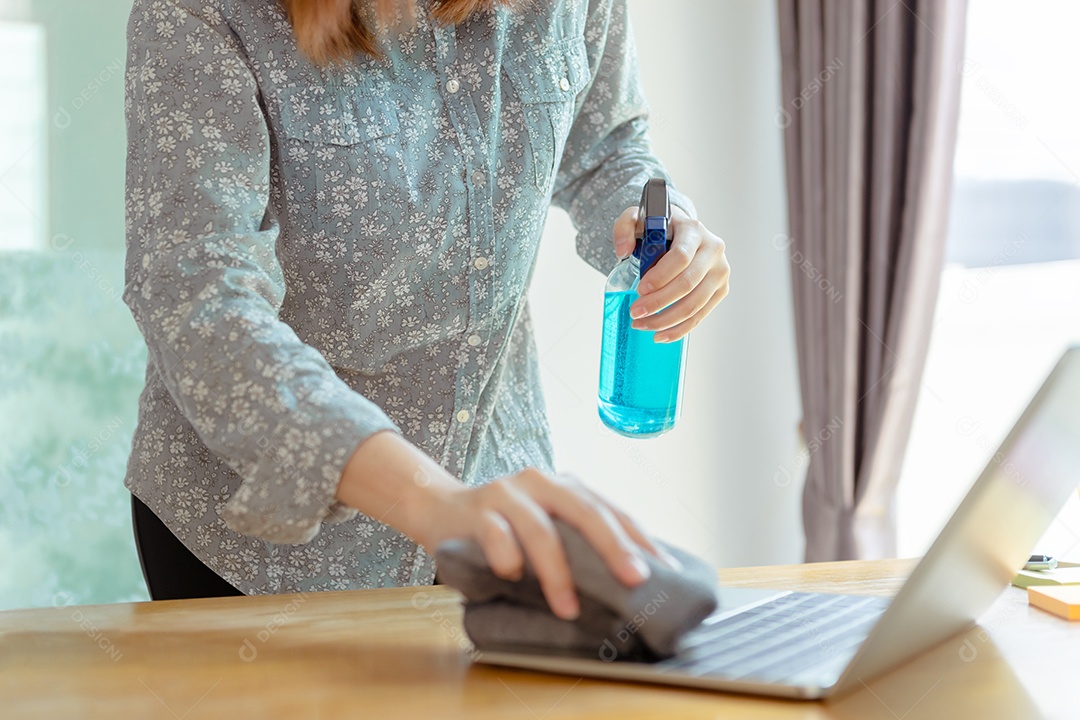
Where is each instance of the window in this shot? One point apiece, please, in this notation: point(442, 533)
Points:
point(22, 127)
point(71, 359)
point(1010, 293)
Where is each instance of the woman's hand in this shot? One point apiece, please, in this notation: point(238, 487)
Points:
point(511, 519)
point(390, 479)
point(684, 286)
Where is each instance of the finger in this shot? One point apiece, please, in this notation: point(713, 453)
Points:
point(687, 238)
point(628, 524)
point(637, 534)
point(650, 547)
point(501, 548)
point(540, 541)
point(683, 329)
point(683, 309)
point(632, 530)
point(677, 213)
point(625, 231)
point(708, 262)
point(598, 525)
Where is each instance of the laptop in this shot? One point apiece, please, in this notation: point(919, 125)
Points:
point(813, 645)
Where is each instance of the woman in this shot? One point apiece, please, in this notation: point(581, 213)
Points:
point(333, 212)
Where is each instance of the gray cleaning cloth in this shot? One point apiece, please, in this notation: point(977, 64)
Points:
point(616, 622)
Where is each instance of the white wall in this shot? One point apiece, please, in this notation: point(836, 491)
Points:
point(711, 72)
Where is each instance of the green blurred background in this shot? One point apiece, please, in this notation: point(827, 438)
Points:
point(71, 358)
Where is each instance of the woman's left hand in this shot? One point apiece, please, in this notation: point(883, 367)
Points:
point(684, 286)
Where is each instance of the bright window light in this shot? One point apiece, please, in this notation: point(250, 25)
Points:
point(22, 136)
point(1010, 293)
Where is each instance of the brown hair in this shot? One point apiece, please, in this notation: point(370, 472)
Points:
point(329, 31)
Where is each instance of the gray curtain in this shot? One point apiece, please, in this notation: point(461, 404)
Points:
point(870, 103)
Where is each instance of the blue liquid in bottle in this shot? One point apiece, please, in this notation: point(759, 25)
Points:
point(640, 379)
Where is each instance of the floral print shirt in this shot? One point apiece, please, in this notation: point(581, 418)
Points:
point(315, 255)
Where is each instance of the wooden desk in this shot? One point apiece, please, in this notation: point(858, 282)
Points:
point(399, 654)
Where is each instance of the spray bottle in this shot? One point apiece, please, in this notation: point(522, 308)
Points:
point(640, 379)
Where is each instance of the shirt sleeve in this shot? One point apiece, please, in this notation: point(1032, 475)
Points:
point(204, 284)
point(608, 158)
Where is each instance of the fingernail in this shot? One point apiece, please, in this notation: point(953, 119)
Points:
point(671, 560)
point(661, 338)
point(644, 288)
point(636, 311)
point(567, 602)
point(640, 568)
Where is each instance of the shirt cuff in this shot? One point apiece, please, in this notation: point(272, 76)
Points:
point(286, 496)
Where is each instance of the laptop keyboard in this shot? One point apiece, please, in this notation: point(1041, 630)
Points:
point(797, 635)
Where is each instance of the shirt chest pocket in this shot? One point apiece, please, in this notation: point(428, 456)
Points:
point(546, 85)
point(343, 147)
point(347, 192)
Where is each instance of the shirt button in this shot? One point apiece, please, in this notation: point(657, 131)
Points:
point(564, 84)
point(463, 416)
point(480, 263)
point(475, 340)
point(452, 86)
point(478, 177)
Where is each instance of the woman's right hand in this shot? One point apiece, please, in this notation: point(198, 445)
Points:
point(511, 519)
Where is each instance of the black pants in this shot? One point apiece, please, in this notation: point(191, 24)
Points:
point(171, 571)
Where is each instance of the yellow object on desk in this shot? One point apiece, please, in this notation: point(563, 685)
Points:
point(1063, 600)
point(1059, 576)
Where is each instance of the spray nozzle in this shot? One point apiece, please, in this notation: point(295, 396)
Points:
point(653, 226)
